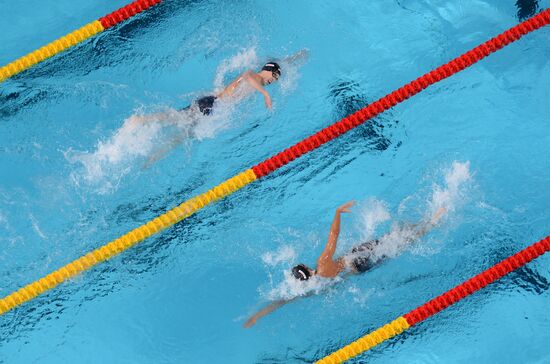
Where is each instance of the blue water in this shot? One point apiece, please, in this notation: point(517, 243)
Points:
point(74, 176)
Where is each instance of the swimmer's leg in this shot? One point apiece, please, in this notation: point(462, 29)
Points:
point(421, 229)
point(185, 132)
point(167, 116)
point(150, 117)
point(160, 153)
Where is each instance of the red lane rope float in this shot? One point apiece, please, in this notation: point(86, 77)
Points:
point(128, 11)
point(439, 303)
point(75, 37)
point(477, 282)
point(351, 121)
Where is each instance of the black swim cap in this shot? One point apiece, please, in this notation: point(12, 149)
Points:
point(273, 67)
point(301, 272)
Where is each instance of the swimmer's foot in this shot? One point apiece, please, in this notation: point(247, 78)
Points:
point(250, 322)
point(437, 216)
point(133, 122)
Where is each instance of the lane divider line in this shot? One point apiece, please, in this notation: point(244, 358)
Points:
point(439, 303)
point(126, 241)
point(359, 117)
point(75, 37)
point(271, 164)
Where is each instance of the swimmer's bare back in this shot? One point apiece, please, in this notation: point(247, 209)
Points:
point(251, 79)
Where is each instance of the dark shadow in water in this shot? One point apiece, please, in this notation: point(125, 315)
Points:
point(16, 99)
point(526, 8)
point(372, 137)
point(348, 97)
point(103, 50)
point(112, 275)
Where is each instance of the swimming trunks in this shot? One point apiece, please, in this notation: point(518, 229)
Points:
point(205, 104)
point(364, 262)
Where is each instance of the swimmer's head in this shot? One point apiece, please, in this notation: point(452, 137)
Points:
point(302, 272)
point(270, 72)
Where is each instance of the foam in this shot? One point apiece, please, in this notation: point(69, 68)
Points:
point(245, 59)
point(145, 138)
point(291, 287)
point(284, 254)
point(449, 196)
point(372, 214)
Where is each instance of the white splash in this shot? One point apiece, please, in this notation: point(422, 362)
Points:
point(443, 200)
point(141, 140)
point(291, 287)
point(452, 193)
point(284, 254)
point(290, 68)
point(242, 61)
point(36, 227)
point(372, 214)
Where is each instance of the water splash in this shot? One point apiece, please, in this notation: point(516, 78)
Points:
point(291, 287)
point(438, 203)
point(284, 254)
point(244, 60)
point(290, 66)
point(140, 141)
point(452, 194)
point(372, 213)
point(442, 200)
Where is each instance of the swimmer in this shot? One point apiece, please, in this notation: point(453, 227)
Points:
point(243, 86)
point(238, 89)
point(186, 119)
point(360, 259)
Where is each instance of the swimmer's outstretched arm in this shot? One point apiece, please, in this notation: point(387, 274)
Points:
point(330, 248)
point(266, 310)
point(298, 57)
point(270, 308)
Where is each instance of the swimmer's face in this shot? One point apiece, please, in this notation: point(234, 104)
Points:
point(268, 77)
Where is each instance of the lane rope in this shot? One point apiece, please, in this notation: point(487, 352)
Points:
point(271, 164)
point(125, 242)
point(75, 37)
point(439, 303)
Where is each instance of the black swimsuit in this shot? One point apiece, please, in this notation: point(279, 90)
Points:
point(205, 104)
point(364, 261)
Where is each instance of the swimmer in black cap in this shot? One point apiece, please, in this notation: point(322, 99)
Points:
point(242, 86)
point(269, 73)
point(359, 260)
point(251, 81)
point(239, 88)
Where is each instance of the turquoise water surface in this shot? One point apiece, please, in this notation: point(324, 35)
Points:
point(77, 171)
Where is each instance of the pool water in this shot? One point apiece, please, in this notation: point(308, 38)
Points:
point(76, 172)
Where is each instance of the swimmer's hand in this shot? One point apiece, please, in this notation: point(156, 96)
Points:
point(250, 322)
point(266, 310)
point(267, 100)
point(345, 207)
